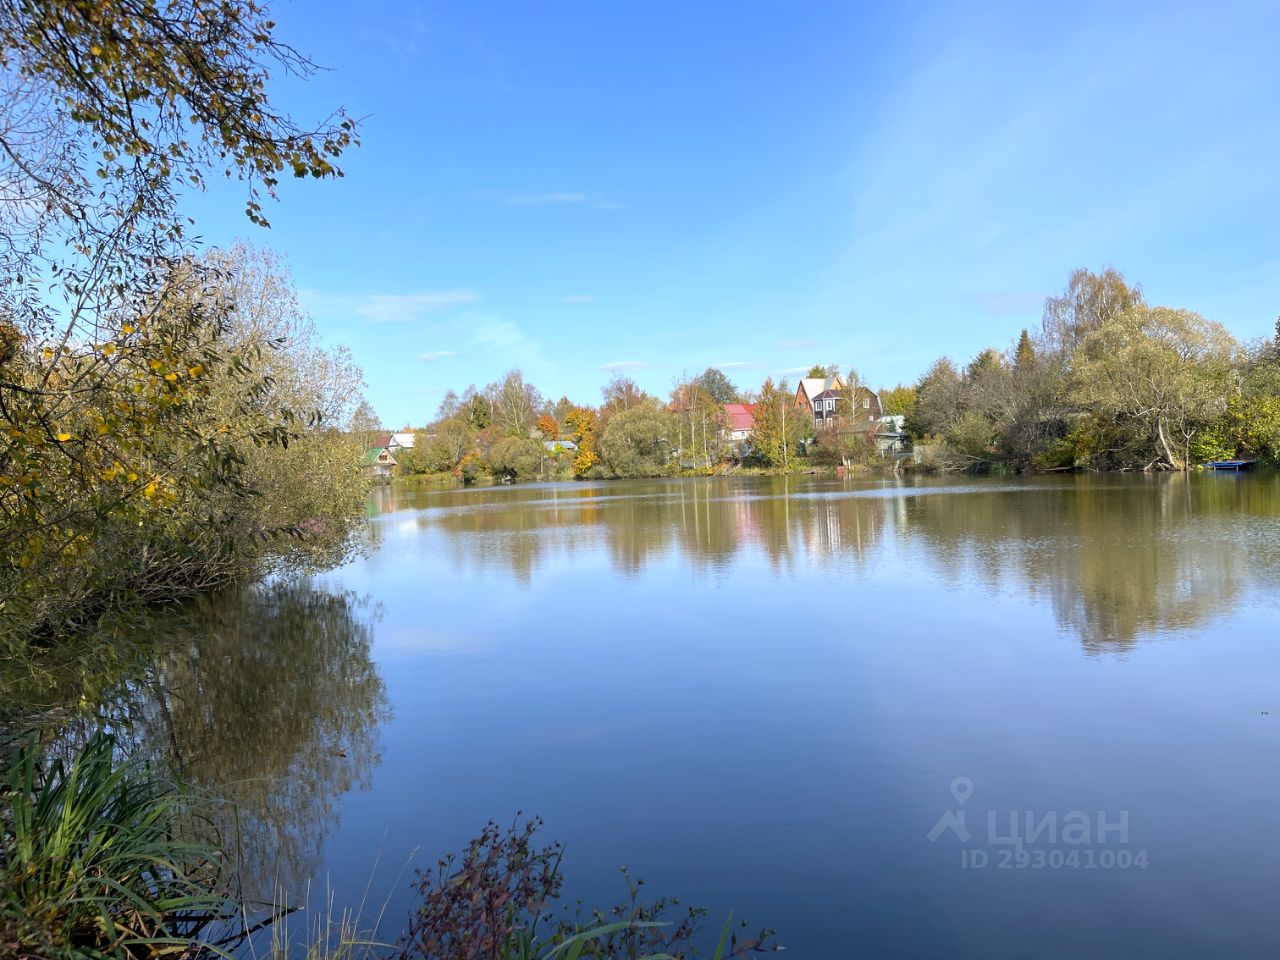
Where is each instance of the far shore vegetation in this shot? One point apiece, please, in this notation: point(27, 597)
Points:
point(1109, 382)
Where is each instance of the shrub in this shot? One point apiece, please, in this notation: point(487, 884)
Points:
point(496, 904)
point(516, 458)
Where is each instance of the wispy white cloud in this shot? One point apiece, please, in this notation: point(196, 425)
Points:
point(578, 298)
point(596, 201)
point(791, 371)
point(797, 344)
point(730, 364)
point(545, 199)
point(437, 355)
point(623, 365)
point(505, 342)
point(386, 307)
point(400, 307)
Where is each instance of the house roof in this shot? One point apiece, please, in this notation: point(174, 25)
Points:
point(382, 439)
point(812, 386)
point(370, 456)
point(404, 439)
point(829, 395)
point(740, 416)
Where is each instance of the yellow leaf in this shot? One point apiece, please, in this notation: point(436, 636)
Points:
point(196, 370)
point(61, 437)
point(171, 377)
point(127, 328)
point(108, 349)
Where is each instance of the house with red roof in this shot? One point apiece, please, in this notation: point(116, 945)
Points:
point(739, 421)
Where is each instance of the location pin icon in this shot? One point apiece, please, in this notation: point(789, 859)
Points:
point(961, 789)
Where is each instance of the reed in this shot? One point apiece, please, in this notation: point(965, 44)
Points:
point(94, 860)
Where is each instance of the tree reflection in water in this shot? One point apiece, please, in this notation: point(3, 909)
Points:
point(1115, 557)
point(265, 698)
point(271, 700)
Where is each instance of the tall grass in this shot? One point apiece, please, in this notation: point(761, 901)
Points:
point(92, 862)
point(95, 863)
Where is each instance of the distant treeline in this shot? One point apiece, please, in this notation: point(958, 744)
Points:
point(509, 430)
point(1109, 383)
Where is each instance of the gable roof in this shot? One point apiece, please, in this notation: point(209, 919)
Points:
point(739, 416)
point(812, 386)
point(370, 456)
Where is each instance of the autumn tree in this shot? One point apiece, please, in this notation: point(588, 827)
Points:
point(1089, 301)
point(582, 426)
point(548, 427)
point(779, 425)
point(127, 411)
point(450, 440)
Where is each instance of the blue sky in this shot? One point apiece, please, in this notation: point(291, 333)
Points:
point(578, 188)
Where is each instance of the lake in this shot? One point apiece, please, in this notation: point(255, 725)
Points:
point(972, 718)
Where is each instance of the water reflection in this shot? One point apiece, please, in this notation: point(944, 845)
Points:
point(265, 698)
point(1116, 558)
point(272, 702)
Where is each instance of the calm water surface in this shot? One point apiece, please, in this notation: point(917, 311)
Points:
point(766, 694)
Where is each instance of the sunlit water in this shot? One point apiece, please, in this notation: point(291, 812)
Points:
point(815, 702)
